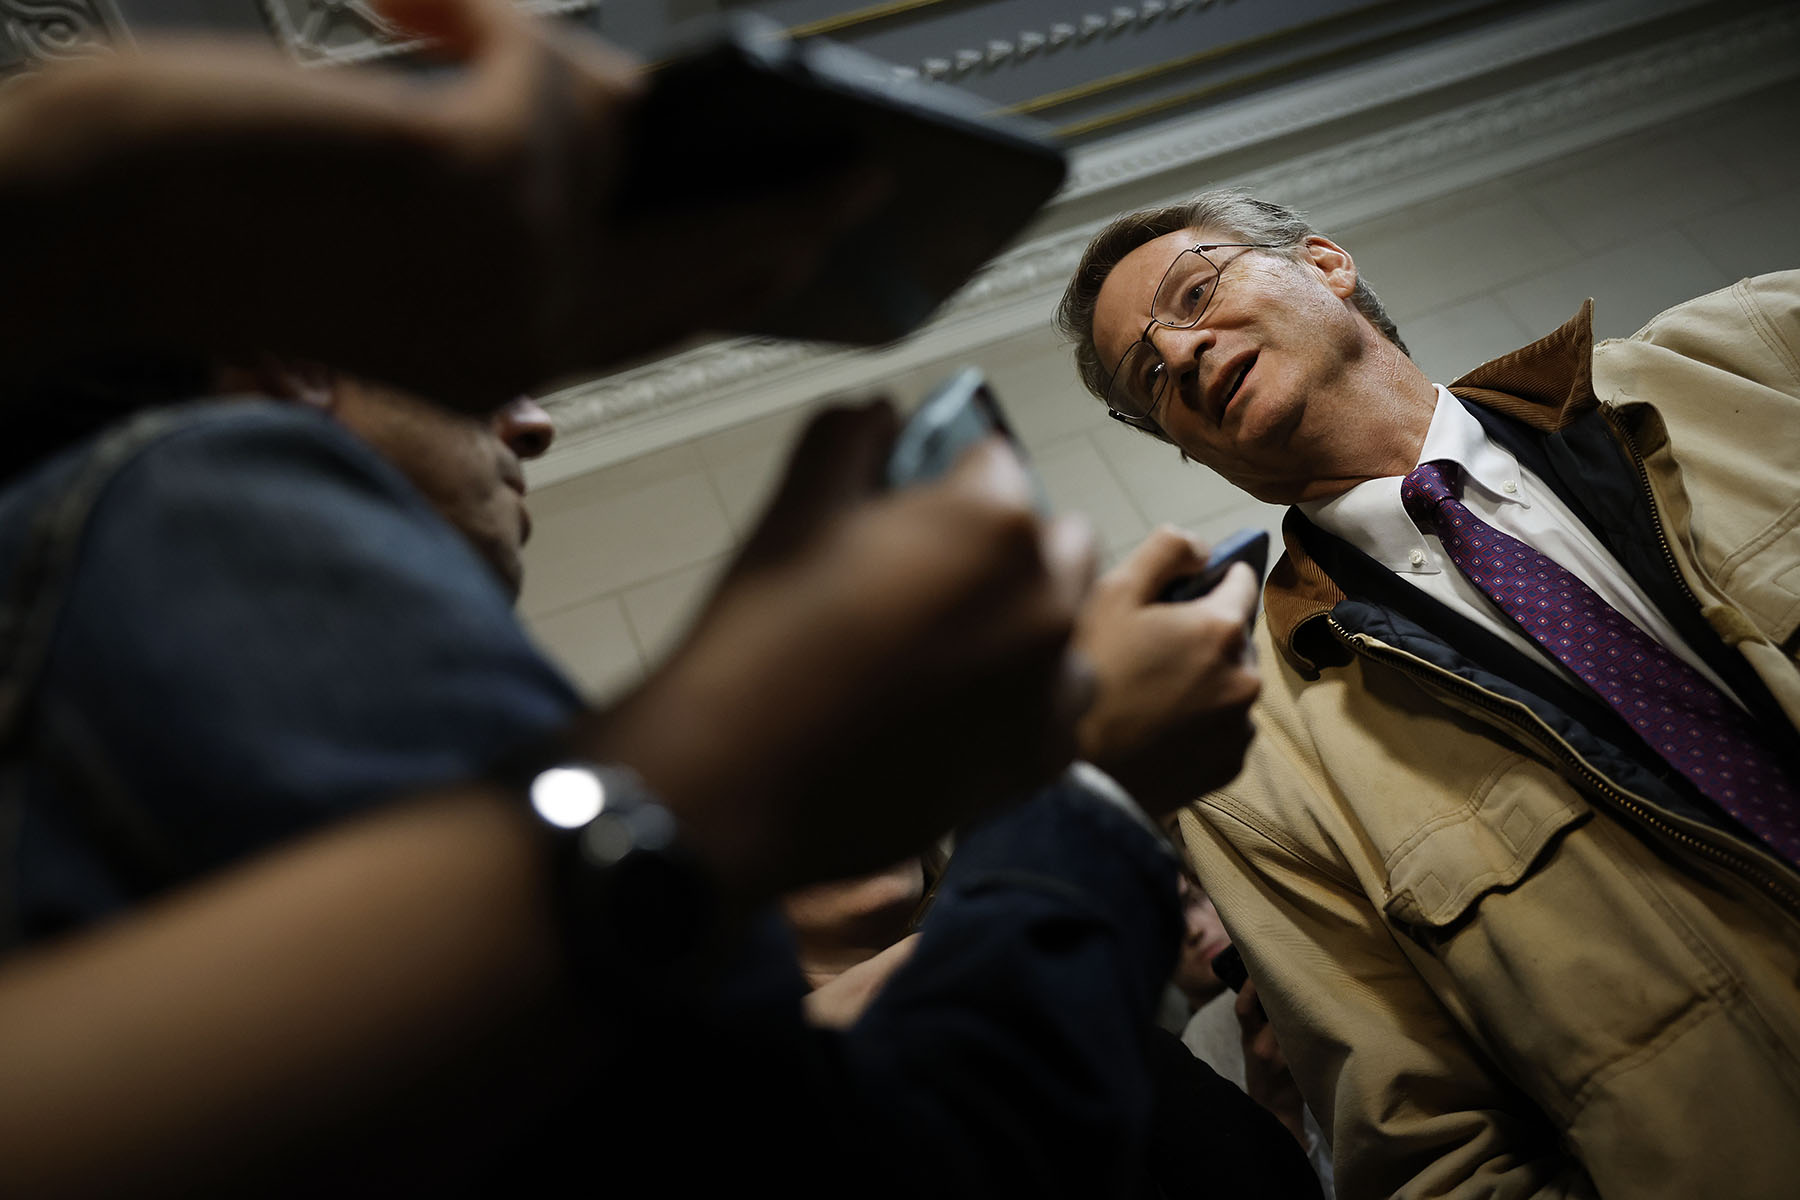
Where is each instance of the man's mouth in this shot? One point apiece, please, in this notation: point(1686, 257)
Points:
point(1230, 381)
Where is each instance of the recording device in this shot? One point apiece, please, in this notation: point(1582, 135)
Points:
point(747, 112)
point(1245, 546)
point(959, 412)
point(1229, 969)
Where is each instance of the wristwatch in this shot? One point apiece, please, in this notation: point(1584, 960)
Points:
point(628, 897)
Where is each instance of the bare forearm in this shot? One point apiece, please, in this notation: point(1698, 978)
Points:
point(196, 1038)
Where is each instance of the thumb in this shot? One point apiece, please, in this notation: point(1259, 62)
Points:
point(837, 462)
point(1160, 559)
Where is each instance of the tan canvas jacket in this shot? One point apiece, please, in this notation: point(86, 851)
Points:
point(1495, 971)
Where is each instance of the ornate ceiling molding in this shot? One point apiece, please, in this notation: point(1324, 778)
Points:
point(1077, 31)
point(724, 383)
point(321, 33)
point(34, 31)
point(1130, 158)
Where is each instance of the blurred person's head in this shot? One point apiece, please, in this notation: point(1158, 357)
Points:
point(468, 467)
point(1203, 937)
point(1280, 380)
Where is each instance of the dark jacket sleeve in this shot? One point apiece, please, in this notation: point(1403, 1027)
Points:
point(1005, 1059)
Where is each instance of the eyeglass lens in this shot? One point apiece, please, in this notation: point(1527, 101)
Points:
point(1181, 300)
point(1185, 291)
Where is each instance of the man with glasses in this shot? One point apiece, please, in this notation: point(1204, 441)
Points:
point(1513, 856)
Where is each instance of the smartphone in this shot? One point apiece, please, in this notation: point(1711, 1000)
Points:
point(1229, 969)
point(744, 111)
point(959, 412)
point(1245, 546)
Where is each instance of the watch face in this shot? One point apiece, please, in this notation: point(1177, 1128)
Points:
point(625, 888)
point(568, 797)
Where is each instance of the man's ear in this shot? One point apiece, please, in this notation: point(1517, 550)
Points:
point(296, 380)
point(1333, 262)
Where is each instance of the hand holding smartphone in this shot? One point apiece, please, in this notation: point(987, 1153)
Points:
point(1245, 546)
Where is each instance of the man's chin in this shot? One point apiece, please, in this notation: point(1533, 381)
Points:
point(508, 569)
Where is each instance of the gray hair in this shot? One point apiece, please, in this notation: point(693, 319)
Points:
point(1228, 211)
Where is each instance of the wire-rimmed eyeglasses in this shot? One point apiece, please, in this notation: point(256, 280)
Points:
point(1140, 381)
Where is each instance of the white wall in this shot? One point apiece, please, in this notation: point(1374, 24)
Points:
point(622, 556)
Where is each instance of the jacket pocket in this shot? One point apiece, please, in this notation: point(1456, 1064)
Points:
point(1438, 873)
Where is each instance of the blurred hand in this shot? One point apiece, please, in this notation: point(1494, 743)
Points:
point(493, 259)
point(840, 1002)
point(1170, 719)
point(873, 670)
point(542, 116)
point(1266, 1075)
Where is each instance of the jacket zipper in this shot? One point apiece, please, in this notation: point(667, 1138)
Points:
point(1412, 665)
point(1643, 474)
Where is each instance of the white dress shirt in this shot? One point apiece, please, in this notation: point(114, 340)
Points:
point(1501, 492)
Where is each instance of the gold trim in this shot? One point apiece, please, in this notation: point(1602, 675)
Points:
point(1138, 74)
point(1077, 129)
point(860, 17)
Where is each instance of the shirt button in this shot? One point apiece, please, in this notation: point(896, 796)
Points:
point(1510, 487)
point(1416, 558)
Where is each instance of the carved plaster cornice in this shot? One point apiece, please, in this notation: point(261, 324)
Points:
point(1425, 69)
point(39, 31)
point(724, 383)
point(333, 33)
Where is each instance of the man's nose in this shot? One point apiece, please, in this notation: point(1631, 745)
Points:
point(525, 427)
point(1180, 345)
point(1180, 348)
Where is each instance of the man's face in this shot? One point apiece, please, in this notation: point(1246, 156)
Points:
point(1203, 939)
point(467, 467)
point(1252, 390)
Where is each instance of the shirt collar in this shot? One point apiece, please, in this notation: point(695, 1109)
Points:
point(1545, 385)
point(1370, 515)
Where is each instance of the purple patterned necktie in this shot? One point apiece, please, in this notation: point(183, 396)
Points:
point(1677, 712)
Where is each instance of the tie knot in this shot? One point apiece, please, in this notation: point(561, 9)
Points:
point(1428, 488)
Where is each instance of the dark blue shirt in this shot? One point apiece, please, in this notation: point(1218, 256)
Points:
point(223, 625)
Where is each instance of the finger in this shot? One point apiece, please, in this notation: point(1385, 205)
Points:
point(603, 60)
point(896, 955)
point(1236, 593)
point(1248, 1008)
point(1166, 555)
point(992, 470)
point(841, 457)
point(837, 461)
point(1071, 554)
